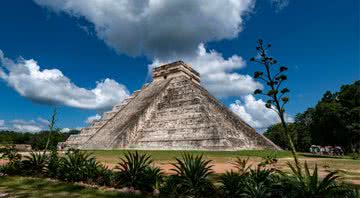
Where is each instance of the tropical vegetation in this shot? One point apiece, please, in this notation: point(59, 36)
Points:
point(333, 121)
point(36, 140)
point(192, 176)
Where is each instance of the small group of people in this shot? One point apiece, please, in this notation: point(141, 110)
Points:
point(326, 150)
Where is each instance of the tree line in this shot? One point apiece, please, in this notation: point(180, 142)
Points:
point(335, 120)
point(36, 140)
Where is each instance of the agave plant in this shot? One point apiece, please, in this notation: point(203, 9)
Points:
point(305, 184)
point(232, 184)
point(248, 182)
point(262, 182)
point(102, 176)
point(135, 171)
point(52, 167)
point(97, 173)
point(10, 153)
point(153, 176)
point(172, 186)
point(242, 165)
point(269, 161)
point(76, 166)
point(253, 189)
point(35, 164)
point(14, 166)
point(192, 177)
point(261, 175)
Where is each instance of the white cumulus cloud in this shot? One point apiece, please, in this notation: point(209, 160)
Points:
point(93, 118)
point(165, 30)
point(43, 121)
point(157, 28)
point(26, 128)
point(65, 130)
point(2, 125)
point(254, 112)
point(217, 73)
point(32, 126)
point(26, 125)
point(53, 87)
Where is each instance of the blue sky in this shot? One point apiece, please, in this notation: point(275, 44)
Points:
point(317, 40)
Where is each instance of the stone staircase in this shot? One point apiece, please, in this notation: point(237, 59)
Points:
point(75, 141)
point(117, 128)
point(180, 116)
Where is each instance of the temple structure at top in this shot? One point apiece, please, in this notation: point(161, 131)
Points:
point(176, 69)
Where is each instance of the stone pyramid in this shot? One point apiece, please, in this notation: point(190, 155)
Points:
point(172, 112)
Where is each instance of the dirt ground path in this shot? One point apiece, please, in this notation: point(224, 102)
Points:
point(351, 172)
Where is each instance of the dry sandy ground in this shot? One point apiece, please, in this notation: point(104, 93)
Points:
point(351, 174)
point(324, 165)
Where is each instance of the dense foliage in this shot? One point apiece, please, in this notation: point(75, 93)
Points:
point(303, 183)
point(192, 176)
point(135, 171)
point(35, 164)
point(333, 121)
point(36, 140)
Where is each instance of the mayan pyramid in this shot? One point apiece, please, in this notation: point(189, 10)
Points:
point(172, 112)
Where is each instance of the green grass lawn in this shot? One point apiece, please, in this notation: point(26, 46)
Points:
point(112, 156)
point(22, 187)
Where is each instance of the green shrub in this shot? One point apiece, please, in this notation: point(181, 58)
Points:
point(98, 174)
point(171, 187)
point(355, 155)
point(10, 154)
point(76, 166)
point(232, 184)
point(52, 168)
point(35, 164)
point(305, 184)
point(14, 166)
point(191, 178)
point(135, 171)
point(153, 177)
point(253, 189)
point(103, 176)
point(263, 181)
point(242, 165)
point(255, 183)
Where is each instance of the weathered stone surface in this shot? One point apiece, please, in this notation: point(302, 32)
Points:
point(173, 112)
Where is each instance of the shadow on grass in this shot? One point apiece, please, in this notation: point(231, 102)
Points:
point(36, 187)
